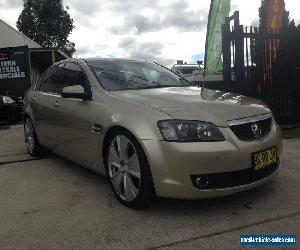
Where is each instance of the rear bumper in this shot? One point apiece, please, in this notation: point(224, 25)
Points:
point(173, 164)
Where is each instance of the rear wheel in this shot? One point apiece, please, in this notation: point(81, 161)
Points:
point(128, 170)
point(32, 145)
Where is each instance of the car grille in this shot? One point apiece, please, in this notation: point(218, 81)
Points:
point(237, 178)
point(245, 131)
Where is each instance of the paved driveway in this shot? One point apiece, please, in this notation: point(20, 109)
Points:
point(52, 203)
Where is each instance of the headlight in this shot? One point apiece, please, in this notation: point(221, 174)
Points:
point(189, 131)
point(7, 100)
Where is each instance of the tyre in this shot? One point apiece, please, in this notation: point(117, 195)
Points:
point(128, 170)
point(31, 142)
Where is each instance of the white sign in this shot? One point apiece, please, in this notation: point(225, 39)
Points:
point(10, 70)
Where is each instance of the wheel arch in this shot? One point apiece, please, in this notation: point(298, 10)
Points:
point(119, 128)
point(27, 115)
point(30, 116)
point(110, 132)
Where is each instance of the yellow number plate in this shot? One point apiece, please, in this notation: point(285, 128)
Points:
point(265, 158)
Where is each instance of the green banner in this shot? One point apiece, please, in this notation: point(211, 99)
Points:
point(219, 9)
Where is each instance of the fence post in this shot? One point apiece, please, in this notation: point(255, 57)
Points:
point(226, 54)
point(260, 62)
point(239, 54)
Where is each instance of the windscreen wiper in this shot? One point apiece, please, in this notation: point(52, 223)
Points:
point(159, 86)
point(180, 76)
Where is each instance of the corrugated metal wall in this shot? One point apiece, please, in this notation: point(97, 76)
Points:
point(10, 37)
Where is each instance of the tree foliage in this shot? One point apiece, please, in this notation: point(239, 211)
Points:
point(290, 37)
point(263, 10)
point(47, 23)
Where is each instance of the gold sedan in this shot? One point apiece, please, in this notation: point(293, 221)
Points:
point(151, 131)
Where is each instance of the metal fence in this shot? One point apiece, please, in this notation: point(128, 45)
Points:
point(256, 65)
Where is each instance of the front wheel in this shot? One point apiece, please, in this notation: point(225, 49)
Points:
point(128, 170)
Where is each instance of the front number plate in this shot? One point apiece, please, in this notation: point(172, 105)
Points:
point(265, 158)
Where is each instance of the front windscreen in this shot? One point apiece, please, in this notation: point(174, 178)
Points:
point(124, 75)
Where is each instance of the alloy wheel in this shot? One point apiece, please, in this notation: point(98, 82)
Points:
point(29, 136)
point(124, 168)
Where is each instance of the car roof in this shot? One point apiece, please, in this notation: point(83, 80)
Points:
point(186, 66)
point(96, 59)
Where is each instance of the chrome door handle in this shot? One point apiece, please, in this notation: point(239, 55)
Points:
point(56, 104)
point(97, 128)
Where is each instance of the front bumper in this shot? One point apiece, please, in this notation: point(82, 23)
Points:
point(173, 164)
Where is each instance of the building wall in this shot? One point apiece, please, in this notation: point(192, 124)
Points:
point(10, 37)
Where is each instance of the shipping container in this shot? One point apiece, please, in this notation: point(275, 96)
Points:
point(20, 67)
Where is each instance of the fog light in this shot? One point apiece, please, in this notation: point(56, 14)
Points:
point(201, 181)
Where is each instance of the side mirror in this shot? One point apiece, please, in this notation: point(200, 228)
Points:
point(76, 92)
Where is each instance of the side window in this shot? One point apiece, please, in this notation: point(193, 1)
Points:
point(49, 83)
point(37, 85)
point(71, 75)
point(59, 77)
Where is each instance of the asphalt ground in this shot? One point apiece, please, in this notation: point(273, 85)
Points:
point(52, 203)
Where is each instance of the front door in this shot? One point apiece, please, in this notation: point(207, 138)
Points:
point(75, 120)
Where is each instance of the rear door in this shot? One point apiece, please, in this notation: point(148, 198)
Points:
point(45, 104)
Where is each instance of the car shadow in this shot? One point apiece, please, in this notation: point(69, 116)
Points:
point(245, 200)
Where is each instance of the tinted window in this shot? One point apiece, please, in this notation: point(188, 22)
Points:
point(51, 79)
point(69, 75)
point(122, 75)
point(39, 82)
